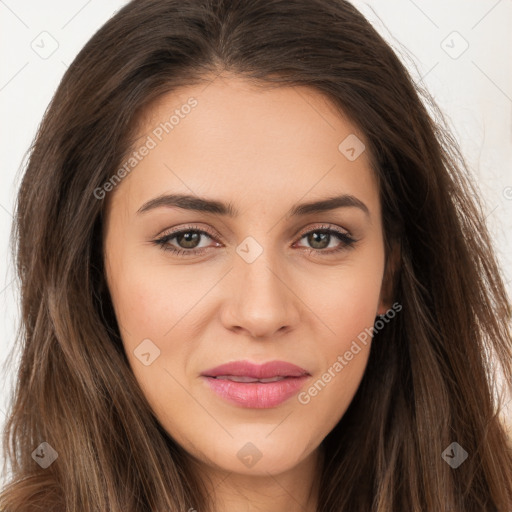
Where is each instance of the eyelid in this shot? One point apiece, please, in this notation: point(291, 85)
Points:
point(299, 234)
point(345, 244)
point(324, 226)
point(186, 228)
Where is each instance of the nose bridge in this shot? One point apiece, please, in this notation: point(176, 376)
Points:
point(260, 298)
point(258, 269)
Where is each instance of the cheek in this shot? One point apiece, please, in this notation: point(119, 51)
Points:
point(152, 308)
point(347, 305)
point(344, 355)
point(150, 300)
point(325, 400)
point(158, 308)
point(346, 299)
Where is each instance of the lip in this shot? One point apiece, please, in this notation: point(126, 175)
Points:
point(256, 371)
point(256, 395)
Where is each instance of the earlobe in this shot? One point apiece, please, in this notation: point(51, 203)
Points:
point(391, 269)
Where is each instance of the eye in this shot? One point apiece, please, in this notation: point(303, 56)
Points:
point(187, 242)
point(321, 237)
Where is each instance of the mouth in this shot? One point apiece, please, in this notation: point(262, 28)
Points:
point(256, 386)
point(236, 378)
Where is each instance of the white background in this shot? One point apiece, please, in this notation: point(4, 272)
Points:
point(474, 90)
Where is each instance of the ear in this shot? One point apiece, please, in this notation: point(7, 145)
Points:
point(391, 268)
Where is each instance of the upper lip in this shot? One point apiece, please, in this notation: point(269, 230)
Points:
point(257, 371)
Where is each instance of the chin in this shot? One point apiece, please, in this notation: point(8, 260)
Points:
point(257, 455)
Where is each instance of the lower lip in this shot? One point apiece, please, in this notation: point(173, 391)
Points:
point(257, 395)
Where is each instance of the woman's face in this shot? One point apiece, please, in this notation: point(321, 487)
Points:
point(257, 279)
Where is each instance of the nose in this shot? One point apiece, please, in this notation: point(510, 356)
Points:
point(260, 298)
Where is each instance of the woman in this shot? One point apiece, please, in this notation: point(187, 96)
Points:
point(254, 276)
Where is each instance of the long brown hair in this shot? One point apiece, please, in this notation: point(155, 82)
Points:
point(428, 381)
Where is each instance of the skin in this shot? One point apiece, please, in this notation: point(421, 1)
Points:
point(263, 150)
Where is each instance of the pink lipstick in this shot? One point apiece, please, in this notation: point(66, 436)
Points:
point(256, 386)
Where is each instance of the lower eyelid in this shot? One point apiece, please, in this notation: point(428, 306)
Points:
point(345, 241)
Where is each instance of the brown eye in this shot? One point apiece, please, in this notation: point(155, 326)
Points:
point(321, 238)
point(188, 239)
point(318, 239)
point(185, 241)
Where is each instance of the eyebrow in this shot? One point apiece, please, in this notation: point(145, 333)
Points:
point(198, 204)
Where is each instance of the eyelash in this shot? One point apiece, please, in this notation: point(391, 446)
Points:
point(346, 240)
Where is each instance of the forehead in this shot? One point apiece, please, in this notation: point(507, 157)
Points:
point(232, 139)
